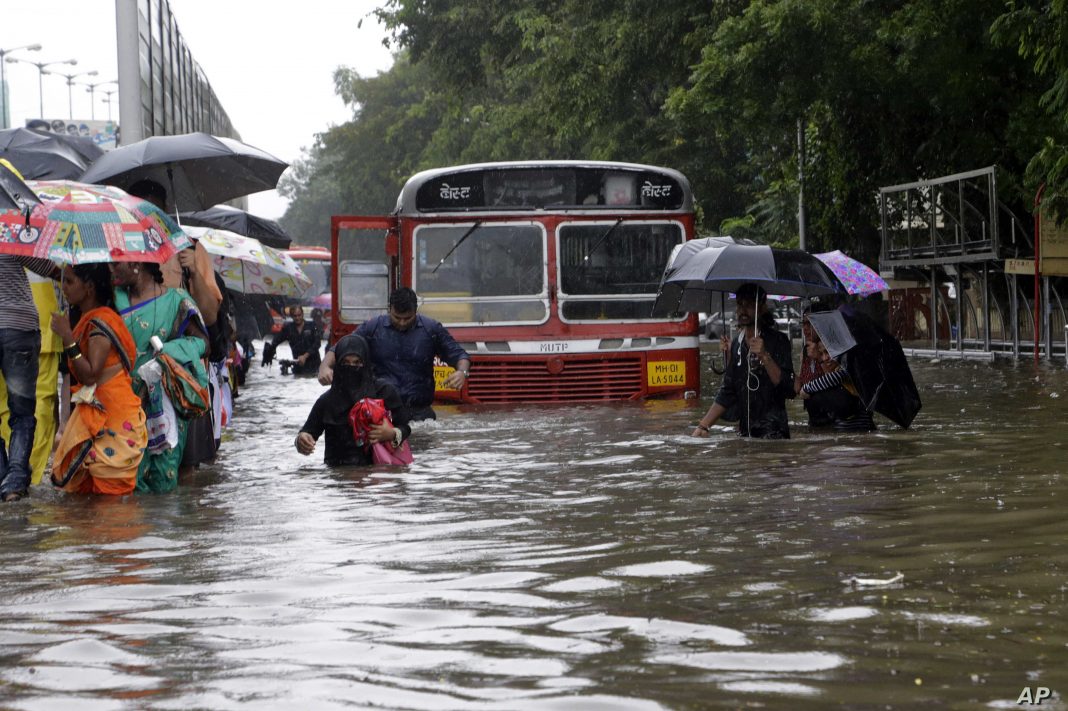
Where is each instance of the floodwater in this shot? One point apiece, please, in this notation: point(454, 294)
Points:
point(560, 558)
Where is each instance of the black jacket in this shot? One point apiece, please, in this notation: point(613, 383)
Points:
point(342, 449)
point(307, 339)
point(748, 391)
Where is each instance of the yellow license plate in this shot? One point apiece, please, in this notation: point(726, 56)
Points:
point(660, 373)
point(441, 374)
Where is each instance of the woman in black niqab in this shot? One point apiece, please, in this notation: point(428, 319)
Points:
point(354, 380)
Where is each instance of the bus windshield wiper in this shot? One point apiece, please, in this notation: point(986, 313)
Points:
point(602, 238)
point(457, 245)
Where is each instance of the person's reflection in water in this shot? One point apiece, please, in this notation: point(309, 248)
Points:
point(101, 524)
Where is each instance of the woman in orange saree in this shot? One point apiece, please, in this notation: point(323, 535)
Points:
point(105, 437)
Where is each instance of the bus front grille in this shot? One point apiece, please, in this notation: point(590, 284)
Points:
point(581, 380)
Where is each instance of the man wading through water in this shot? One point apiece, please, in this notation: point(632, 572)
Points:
point(759, 377)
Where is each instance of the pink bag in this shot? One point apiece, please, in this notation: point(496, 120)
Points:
point(383, 453)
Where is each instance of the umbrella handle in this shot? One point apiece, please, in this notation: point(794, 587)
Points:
point(723, 357)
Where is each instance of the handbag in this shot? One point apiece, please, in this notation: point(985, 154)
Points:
point(383, 453)
point(189, 398)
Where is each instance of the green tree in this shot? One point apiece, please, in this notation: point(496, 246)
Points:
point(1039, 33)
point(886, 91)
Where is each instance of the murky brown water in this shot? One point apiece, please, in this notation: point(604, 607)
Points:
point(587, 557)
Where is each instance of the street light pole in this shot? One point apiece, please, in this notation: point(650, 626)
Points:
point(107, 99)
point(92, 94)
point(40, 75)
point(70, 87)
point(3, 80)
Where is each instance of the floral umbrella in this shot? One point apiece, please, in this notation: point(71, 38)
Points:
point(857, 277)
point(249, 267)
point(78, 224)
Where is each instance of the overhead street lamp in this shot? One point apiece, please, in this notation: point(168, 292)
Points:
point(40, 76)
point(3, 81)
point(107, 100)
point(92, 94)
point(70, 87)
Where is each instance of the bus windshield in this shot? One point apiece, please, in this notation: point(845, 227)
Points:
point(612, 270)
point(476, 273)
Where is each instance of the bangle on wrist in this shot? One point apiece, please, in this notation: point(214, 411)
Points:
point(702, 427)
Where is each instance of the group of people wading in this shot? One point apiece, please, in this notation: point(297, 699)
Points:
point(759, 378)
point(121, 316)
point(141, 357)
point(146, 348)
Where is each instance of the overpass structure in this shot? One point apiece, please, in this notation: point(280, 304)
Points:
point(963, 270)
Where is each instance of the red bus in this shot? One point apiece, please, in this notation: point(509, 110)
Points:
point(315, 262)
point(545, 271)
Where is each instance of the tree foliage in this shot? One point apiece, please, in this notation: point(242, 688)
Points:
point(884, 91)
point(1039, 33)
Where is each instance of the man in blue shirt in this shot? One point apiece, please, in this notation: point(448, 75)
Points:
point(403, 346)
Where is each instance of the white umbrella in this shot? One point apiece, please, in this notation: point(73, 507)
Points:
point(249, 267)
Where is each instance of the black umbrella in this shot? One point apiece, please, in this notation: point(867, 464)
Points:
point(82, 145)
point(723, 266)
point(15, 194)
point(198, 170)
point(41, 155)
point(874, 361)
point(224, 217)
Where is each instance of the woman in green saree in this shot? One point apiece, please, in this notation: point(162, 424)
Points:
point(151, 309)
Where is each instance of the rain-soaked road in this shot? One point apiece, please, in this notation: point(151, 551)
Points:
point(565, 558)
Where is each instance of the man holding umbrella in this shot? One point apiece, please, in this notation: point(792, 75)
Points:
point(759, 375)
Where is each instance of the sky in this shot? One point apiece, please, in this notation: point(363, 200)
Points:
point(271, 64)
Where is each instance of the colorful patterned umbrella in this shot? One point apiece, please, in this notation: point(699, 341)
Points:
point(858, 278)
point(249, 267)
point(78, 224)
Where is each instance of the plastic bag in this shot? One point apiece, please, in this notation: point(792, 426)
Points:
point(161, 421)
point(367, 413)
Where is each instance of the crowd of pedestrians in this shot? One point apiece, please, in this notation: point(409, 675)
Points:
point(147, 350)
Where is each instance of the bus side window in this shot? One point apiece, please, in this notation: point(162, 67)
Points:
point(364, 290)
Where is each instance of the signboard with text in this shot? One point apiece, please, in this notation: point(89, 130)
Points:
point(1053, 250)
point(1020, 266)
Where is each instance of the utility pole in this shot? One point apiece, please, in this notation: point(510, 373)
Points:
point(801, 183)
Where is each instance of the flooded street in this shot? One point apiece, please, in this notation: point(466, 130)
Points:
point(591, 557)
